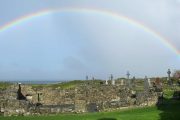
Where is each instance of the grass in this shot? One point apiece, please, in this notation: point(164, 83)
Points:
point(63, 85)
point(133, 114)
point(4, 85)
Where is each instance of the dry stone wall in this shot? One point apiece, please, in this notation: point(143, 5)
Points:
point(83, 98)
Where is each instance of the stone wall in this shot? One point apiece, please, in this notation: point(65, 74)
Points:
point(83, 98)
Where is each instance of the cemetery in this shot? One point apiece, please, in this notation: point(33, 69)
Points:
point(88, 96)
point(90, 60)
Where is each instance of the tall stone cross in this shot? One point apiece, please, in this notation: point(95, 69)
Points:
point(86, 77)
point(128, 74)
point(111, 77)
point(128, 81)
point(169, 77)
point(112, 80)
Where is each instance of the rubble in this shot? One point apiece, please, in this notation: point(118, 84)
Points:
point(82, 98)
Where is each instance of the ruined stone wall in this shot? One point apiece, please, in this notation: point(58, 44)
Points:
point(83, 98)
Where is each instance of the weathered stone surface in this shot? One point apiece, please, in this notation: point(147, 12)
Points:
point(83, 98)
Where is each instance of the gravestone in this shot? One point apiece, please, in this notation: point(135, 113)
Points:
point(112, 80)
point(133, 82)
point(122, 82)
point(106, 82)
point(146, 84)
point(169, 77)
point(128, 81)
point(149, 82)
point(86, 77)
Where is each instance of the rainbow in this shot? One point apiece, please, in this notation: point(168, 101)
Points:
point(113, 15)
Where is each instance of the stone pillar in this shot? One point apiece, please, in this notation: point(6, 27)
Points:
point(19, 85)
point(20, 96)
point(38, 97)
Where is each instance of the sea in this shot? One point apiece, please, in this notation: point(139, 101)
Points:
point(35, 81)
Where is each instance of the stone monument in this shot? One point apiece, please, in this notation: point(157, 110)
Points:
point(86, 77)
point(133, 82)
point(128, 81)
point(112, 80)
point(106, 82)
point(146, 84)
point(149, 82)
point(122, 82)
point(169, 77)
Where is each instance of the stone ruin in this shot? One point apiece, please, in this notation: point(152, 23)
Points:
point(25, 100)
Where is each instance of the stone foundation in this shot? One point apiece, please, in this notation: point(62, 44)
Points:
point(84, 98)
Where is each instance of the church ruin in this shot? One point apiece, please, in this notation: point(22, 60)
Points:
point(26, 100)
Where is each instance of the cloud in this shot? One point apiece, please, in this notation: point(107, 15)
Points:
point(72, 45)
point(73, 63)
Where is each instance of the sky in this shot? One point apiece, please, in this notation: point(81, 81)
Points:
point(70, 45)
